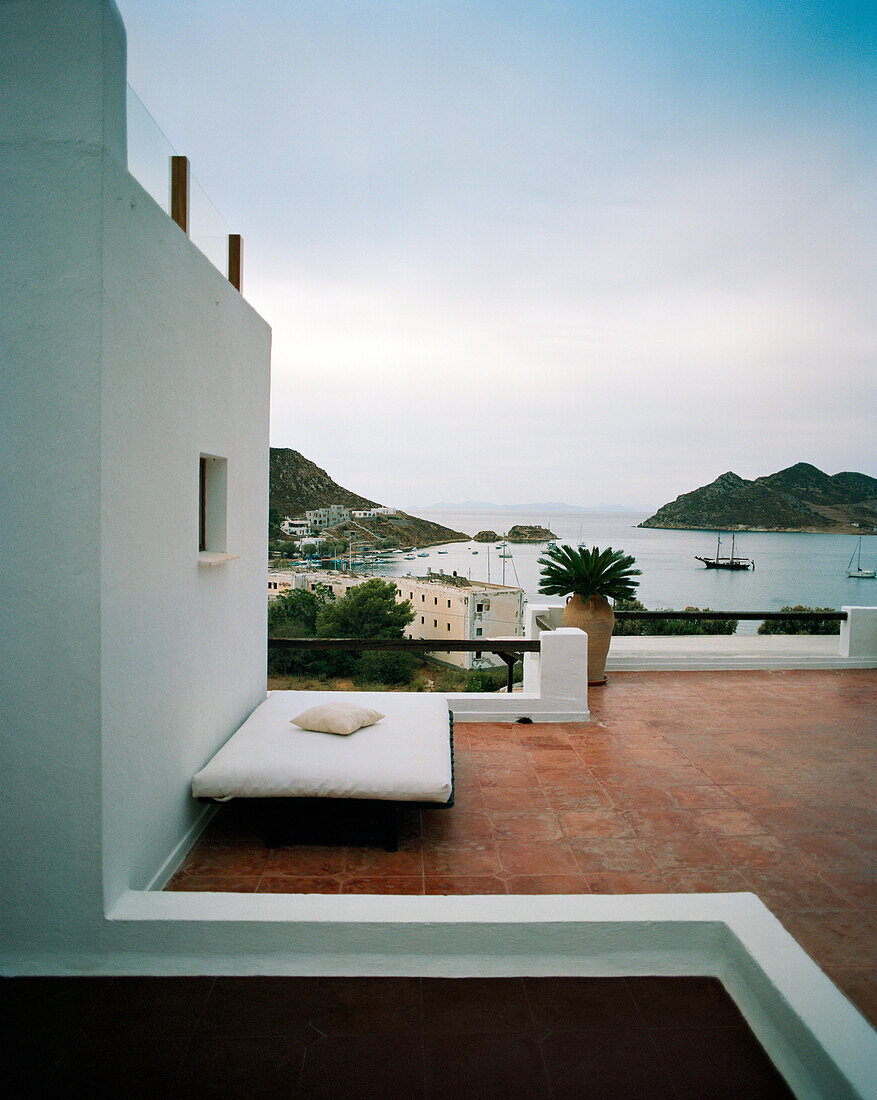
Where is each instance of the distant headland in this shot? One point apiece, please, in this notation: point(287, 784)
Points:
point(799, 498)
point(518, 533)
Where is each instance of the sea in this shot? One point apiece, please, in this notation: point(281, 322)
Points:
point(790, 568)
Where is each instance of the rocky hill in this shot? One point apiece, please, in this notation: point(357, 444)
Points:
point(799, 498)
point(532, 533)
point(295, 485)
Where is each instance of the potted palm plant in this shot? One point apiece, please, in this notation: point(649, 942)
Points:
point(587, 578)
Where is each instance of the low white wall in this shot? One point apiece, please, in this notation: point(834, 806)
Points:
point(814, 1036)
point(856, 647)
point(858, 634)
point(555, 686)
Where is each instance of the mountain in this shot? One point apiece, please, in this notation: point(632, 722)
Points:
point(295, 485)
point(799, 498)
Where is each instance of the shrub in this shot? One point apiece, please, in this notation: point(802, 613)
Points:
point(663, 627)
point(486, 679)
point(384, 667)
point(797, 626)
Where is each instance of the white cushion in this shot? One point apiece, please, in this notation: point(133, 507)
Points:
point(406, 756)
point(343, 718)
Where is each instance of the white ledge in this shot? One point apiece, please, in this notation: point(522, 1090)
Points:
point(210, 557)
point(812, 1033)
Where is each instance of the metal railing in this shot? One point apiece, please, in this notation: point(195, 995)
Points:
point(509, 649)
point(512, 650)
point(724, 616)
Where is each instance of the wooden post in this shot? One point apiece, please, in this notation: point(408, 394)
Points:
point(180, 192)
point(235, 260)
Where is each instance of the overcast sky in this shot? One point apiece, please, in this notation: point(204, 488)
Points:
point(521, 251)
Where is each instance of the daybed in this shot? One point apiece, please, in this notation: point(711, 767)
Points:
point(407, 757)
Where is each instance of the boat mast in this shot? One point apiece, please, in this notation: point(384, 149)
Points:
point(733, 537)
point(718, 547)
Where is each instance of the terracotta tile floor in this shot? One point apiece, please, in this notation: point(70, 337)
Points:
point(430, 1038)
point(681, 782)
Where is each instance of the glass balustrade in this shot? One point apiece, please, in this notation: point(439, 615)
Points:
point(149, 158)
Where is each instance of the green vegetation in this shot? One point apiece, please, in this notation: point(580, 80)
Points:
point(492, 679)
point(656, 627)
point(367, 611)
point(384, 667)
point(797, 626)
point(587, 573)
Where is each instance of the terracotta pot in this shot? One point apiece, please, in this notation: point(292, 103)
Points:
point(596, 617)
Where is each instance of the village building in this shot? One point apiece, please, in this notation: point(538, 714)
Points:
point(332, 514)
point(372, 513)
point(295, 528)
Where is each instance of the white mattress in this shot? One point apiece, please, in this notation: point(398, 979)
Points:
point(405, 757)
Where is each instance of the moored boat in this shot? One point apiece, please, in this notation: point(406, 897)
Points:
point(859, 573)
point(723, 561)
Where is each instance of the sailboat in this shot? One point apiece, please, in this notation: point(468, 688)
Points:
point(720, 562)
point(859, 572)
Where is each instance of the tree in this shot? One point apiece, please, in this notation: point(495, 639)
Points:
point(367, 611)
point(294, 614)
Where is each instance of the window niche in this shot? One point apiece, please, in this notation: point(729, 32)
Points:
point(212, 510)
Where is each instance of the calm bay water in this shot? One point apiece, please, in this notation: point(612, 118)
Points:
point(790, 569)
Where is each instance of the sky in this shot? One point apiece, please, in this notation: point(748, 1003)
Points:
point(568, 250)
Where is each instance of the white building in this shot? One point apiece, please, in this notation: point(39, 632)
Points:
point(318, 518)
point(372, 513)
point(296, 528)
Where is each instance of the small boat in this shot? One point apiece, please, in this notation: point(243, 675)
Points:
point(409, 557)
point(859, 573)
point(441, 551)
point(423, 554)
point(724, 562)
point(474, 551)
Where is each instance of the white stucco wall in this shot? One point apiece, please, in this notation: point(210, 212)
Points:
point(51, 150)
point(184, 372)
point(124, 355)
point(858, 634)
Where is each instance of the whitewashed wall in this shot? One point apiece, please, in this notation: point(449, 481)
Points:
point(184, 371)
point(125, 354)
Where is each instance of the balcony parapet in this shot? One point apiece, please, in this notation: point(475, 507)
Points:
point(855, 647)
point(555, 688)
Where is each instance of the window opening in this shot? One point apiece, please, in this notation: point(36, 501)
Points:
point(212, 503)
